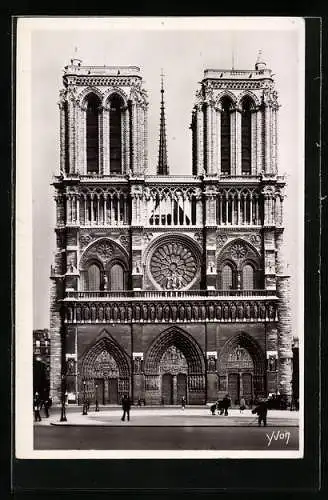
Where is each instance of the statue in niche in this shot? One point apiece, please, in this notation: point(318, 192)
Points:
point(174, 312)
point(218, 312)
point(188, 312)
point(137, 364)
point(93, 313)
point(152, 312)
point(78, 314)
point(122, 313)
point(211, 364)
point(105, 282)
point(115, 313)
point(159, 312)
point(203, 312)
point(233, 312)
point(70, 366)
point(211, 311)
point(271, 312)
point(226, 311)
point(195, 312)
point(247, 311)
point(107, 312)
point(137, 313)
point(86, 314)
point(145, 312)
point(129, 313)
point(167, 313)
point(262, 311)
point(255, 311)
point(272, 363)
point(182, 313)
point(240, 311)
point(100, 313)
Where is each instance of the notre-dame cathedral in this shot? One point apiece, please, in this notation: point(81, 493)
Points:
point(166, 286)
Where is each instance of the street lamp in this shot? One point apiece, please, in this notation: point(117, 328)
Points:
point(85, 407)
point(97, 405)
point(63, 417)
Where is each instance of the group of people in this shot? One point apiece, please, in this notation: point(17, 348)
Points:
point(261, 408)
point(38, 404)
point(221, 406)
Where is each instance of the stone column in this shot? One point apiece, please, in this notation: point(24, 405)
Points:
point(62, 136)
point(267, 137)
point(233, 156)
point(105, 140)
point(254, 142)
point(275, 140)
point(211, 376)
point(272, 352)
point(134, 139)
point(259, 141)
point(145, 139)
point(285, 337)
point(83, 141)
point(208, 130)
point(200, 140)
point(217, 157)
point(71, 135)
point(127, 140)
point(238, 141)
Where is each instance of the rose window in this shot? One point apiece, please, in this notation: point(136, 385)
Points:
point(173, 266)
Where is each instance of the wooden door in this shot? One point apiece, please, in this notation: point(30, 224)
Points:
point(233, 388)
point(247, 387)
point(100, 390)
point(113, 391)
point(181, 387)
point(167, 389)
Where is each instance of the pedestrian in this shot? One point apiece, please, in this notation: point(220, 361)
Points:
point(183, 402)
point(213, 407)
point(226, 404)
point(37, 407)
point(261, 410)
point(242, 405)
point(46, 407)
point(126, 404)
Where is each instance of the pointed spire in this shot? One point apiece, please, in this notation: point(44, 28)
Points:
point(162, 167)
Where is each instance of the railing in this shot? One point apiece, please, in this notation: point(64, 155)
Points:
point(167, 294)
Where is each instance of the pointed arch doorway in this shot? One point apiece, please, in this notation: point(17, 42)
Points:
point(105, 373)
point(174, 368)
point(174, 371)
point(242, 369)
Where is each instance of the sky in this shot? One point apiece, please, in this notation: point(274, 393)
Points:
point(183, 49)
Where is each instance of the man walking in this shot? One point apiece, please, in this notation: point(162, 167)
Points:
point(37, 407)
point(261, 409)
point(226, 403)
point(126, 404)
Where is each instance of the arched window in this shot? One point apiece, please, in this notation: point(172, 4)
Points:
point(94, 277)
point(117, 277)
point(246, 135)
point(248, 277)
point(227, 277)
point(92, 134)
point(115, 135)
point(225, 136)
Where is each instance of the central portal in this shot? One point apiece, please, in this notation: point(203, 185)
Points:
point(173, 375)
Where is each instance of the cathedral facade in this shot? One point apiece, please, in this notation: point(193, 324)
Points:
point(167, 286)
